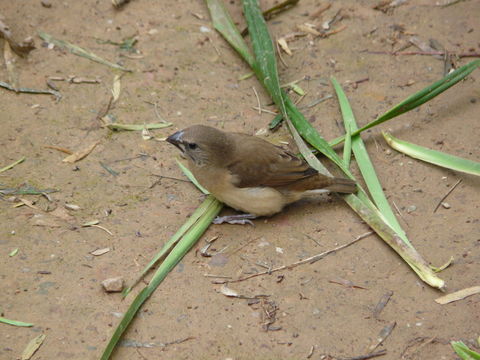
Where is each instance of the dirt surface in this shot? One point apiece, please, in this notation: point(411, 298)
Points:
point(186, 68)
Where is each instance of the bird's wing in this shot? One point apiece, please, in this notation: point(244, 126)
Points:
point(257, 162)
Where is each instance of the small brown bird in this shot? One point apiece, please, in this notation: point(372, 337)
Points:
point(250, 174)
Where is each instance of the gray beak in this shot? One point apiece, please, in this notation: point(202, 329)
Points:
point(176, 139)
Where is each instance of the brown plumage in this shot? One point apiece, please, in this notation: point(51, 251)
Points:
point(248, 173)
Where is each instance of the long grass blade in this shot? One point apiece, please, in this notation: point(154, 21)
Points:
point(177, 253)
point(433, 156)
point(463, 351)
point(365, 164)
point(14, 322)
point(77, 50)
point(223, 22)
point(418, 98)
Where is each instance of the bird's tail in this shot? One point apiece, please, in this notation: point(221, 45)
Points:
point(342, 185)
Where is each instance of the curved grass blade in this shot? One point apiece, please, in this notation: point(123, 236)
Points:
point(418, 98)
point(192, 220)
point(77, 50)
point(14, 322)
point(433, 156)
point(463, 351)
point(178, 235)
point(183, 246)
point(222, 21)
point(365, 164)
point(8, 167)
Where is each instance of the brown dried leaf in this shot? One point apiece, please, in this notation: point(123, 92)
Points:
point(79, 155)
point(458, 295)
point(228, 292)
point(33, 346)
point(99, 252)
point(284, 45)
point(308, 29)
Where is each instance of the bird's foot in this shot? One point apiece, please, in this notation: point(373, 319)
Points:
point(242, 219)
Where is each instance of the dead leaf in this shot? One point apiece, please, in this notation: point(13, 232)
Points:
point(284, 45)
point(116, 89)
point(27, 203)
point(99, 252)
point(91, 223)
point(72, 207)
point(384, 333)
point(58, 148)
point(308, 29)
point(458, 295)
point(33, 346)
point(228, 292)
point(79, 155)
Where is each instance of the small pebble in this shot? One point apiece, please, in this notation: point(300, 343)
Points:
point(113, 284)
point(46, 4)
point(205, 29)
point(446, 205)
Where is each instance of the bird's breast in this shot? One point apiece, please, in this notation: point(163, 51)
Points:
point(259, 201)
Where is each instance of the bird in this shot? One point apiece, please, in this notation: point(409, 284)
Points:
point(250, 174)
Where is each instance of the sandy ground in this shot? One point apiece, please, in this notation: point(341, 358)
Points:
point(192, 74)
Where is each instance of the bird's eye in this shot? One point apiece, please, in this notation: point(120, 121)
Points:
point(192, 146)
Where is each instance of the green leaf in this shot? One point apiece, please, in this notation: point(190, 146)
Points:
point(222, 21)
point(347, 147)
point(137, 127)
point(77, 50)
point(365, 165)
point(211, 209)
point(418, 98)
point(463, 351)
point(8, 167)
point(14, 322)
point(433, 156)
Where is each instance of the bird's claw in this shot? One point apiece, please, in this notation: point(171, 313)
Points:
point(242, 219)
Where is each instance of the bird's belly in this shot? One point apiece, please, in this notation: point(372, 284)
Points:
point(259, 201)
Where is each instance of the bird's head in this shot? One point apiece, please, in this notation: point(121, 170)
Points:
point(203, 145)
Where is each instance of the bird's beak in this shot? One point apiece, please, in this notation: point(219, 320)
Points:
point(176, 139)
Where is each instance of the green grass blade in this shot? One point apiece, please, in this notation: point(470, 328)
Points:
point(137, 127)
point(418, 98)
point(365, 164)
point(77, 50)
point(433, 156)
point(8, 167)
point(14, 322)
point(347, 147)
point(266, 62)
point(183, 246)
point(375, 220)
point(190, 177)
point(174, 239)
point(463, 351)
point(223, 23)
point(192, 220)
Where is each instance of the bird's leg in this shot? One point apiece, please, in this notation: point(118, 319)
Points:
point(241, 219)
